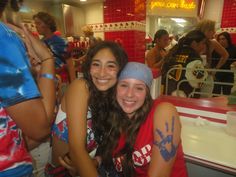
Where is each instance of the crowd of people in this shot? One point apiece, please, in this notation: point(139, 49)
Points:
point(106, 123)
point(197, 57)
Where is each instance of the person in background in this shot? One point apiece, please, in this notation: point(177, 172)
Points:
point(46, 26)
point(173, 42)
point(81, 119)
point(144, 136)
point(186, 54)
point(26, 107)
point(88, 33)
point(225, 41)
point(155, 56)
point(208, 28)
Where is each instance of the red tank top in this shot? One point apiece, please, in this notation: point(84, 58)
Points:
point(142, 151)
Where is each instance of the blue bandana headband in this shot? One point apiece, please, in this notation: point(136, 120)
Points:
point(139, 71)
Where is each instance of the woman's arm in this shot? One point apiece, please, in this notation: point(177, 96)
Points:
point(71, 69)
point(159, 64)
point(76, 108)
point(161, 58)
point(221, 51)
point(150, 58)
point(166, 131)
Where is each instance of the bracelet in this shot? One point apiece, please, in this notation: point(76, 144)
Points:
point(49, 58)
point(48, 76)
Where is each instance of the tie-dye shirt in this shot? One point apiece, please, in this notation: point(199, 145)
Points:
point(16, 85)
point(58, 47)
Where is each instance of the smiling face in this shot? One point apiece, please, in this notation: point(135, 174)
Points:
point(104, 69)
point(131, 94)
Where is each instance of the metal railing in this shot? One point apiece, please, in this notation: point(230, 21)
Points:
point(233, 70)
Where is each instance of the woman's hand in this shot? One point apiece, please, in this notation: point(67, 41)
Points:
point(36, 48)
point(39, 48)
point(32, 55)
point(67, 163)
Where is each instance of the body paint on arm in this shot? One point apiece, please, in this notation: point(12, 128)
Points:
point(166, 140)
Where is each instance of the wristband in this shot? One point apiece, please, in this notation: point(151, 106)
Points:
point(48, 76)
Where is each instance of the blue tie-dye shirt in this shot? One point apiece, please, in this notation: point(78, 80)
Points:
point(16, 85)
point(58, 47)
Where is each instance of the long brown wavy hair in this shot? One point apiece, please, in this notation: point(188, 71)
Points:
point(100, 102)
point(121, 124)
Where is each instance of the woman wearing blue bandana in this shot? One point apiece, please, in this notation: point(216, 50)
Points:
point(144, 139)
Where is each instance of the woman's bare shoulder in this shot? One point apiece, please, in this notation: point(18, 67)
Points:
point(78, 86)
point(214, 43)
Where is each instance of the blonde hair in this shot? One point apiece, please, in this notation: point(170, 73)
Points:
point(87, 30)
point(206, 25)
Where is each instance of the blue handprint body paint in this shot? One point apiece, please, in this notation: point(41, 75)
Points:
point(166, 140)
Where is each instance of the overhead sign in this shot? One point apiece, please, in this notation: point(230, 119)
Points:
point(173, 4)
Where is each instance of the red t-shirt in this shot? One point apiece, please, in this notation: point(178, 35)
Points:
point(143, 148)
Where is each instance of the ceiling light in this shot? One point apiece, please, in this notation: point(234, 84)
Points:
point(83, 0)
point(130, 14)
point(178, 20)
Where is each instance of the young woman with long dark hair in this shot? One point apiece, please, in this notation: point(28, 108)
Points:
point(81, 119)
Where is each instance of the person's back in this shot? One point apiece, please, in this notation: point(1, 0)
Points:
point(25, 117)
point(16, 90)
point(58, 47)
point(184, 55)
point(181, 60)
point(13, 148)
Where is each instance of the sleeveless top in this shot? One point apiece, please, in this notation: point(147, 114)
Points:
point(143, 148)
point(60, 129)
